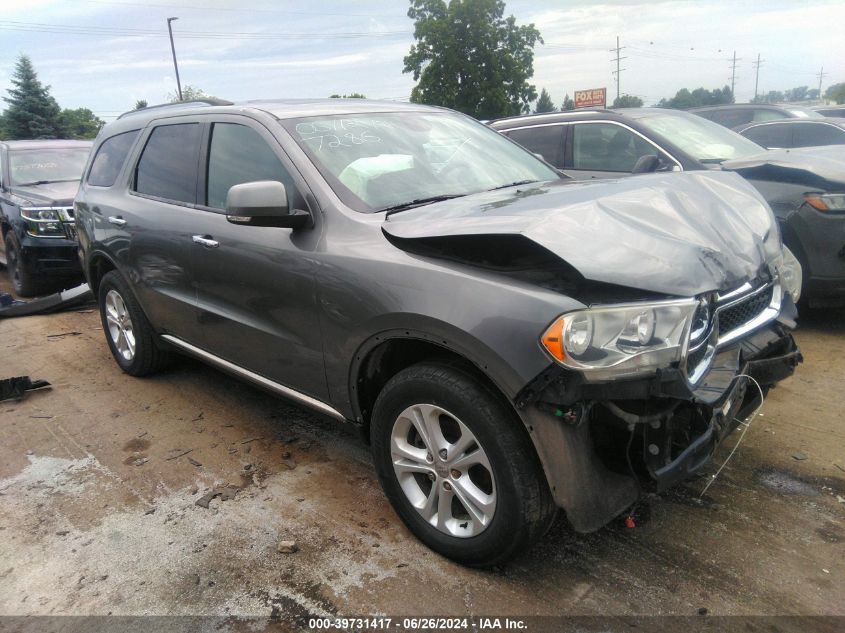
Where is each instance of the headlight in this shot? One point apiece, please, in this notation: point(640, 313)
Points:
point(826, 201)
point(789, 271)
point(613, 341)
point(43, 222)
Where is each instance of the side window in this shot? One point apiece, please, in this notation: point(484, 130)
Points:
point(731, 117)
point(168, 166)
point(237, 155)
point(546, 140)
point(770, 135)
point(815, 134)
point(109, 159)
point(607, 147)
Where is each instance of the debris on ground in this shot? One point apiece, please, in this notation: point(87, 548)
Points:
point(226, 493)
point(51, 337)
point(9, 307)
point(15, 388)
point(799, 456)
point(287, 547)
point(179, 453)
point(194, 462)
point(251, 439)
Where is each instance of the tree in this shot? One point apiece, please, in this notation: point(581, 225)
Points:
point(189, 93)
point(140, 104)
point(467, 56)
point(80, 123)
point(354, 95)
point(567, 105)
point(836, 93)
point(698, 97)
point(32, 111)
point(544, 103)
point(627, 101)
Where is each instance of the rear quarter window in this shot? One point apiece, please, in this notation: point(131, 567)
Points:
point(110, 158)
point(545, 140)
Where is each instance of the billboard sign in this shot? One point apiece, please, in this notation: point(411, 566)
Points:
point(591, 98)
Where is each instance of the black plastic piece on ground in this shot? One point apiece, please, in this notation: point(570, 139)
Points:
point(15, 388)
point(51, 303)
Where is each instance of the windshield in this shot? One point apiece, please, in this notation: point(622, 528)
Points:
point(41, 166)
point(704, 140)
point(379, 161)
point(804, 113)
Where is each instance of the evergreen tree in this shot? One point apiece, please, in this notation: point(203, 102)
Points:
point(140, 104)
point(32, 112)
point(544, 103)
point(568, 104)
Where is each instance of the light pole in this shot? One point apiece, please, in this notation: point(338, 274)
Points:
point(175, 65)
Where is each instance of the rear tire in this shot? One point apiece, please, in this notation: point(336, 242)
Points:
point(458, 466)
point(130, 337)
point(23, 282)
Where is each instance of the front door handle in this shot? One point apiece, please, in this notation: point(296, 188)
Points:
point(205, 241)
point(116, 220)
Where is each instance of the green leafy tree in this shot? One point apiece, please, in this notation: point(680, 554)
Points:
point(698, 97)
point(627, 101)
point(354, 95)
point(773, 96)
point(189, 93)
point(467, 56)
point(80, 123)
point(140, 104)
point(544, 103)
point(796, 94)
point(835, 93)
point(32, 111)
point(567, 105)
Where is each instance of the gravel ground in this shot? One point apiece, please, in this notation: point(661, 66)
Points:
point(100, 478)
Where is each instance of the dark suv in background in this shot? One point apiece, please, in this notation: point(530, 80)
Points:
point(38, 180)
point(736, 114)
point(509, 341)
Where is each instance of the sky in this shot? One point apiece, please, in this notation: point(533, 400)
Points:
point(105, 55)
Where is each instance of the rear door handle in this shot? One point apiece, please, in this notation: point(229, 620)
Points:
point(205, 241)
point(116, 220)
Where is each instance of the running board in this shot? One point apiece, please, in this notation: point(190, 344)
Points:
point(261, 381)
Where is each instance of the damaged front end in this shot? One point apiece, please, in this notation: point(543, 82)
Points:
point(641, 395)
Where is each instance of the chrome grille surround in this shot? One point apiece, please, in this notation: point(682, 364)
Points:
point(734, 314)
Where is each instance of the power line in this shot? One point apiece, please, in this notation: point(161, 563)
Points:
point(617, 59)
point(757, 65)
point(733, 74)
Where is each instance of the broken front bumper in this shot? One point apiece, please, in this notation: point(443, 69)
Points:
point(667, 429)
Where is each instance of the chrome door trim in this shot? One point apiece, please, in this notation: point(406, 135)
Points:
point(204, 241)
point(276, 387)
point(116, 220)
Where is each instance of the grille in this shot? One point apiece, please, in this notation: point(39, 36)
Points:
point(744, 311)
point(694, 359)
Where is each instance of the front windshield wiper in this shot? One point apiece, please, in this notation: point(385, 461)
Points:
point(418, 202)
point(514, 184)
point(44, 182)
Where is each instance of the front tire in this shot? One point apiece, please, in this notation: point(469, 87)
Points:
point(457, 465)
point(23, 282)
point(130, 337)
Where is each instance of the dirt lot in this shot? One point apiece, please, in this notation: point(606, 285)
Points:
point(99, 479)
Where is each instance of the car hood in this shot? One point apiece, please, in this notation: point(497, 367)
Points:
point(678, 234)
point(822, 168)
point(53, 193)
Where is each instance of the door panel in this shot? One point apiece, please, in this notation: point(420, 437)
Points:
point(255, 289)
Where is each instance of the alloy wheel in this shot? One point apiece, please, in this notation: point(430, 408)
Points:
point(443, 470)
point(120, 325)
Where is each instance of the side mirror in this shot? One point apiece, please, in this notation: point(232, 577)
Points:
point(263, 203)
point(646, 164)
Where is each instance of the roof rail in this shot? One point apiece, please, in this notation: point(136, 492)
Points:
point(211, 101)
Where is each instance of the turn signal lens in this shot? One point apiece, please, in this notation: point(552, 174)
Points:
point(826, 201)
point(553, 339)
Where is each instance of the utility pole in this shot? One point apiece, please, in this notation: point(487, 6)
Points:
point(617, 59)
point(757, 73)
point(175, 65)
point(821, 74)
point(733, 75)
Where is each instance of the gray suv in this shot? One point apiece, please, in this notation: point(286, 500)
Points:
point(510, 342)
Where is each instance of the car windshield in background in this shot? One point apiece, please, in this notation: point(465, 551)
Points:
point(42, 166)
point(704, 140)
point(376, 162)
